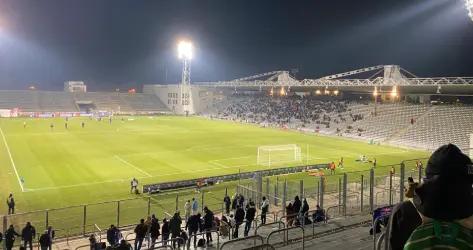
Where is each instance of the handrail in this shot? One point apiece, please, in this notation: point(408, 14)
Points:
point(100, 232)
point(255, 237)
point(265, 246)
point(286, 235)
point(269, 224)
point(330, 208)
point(380, 241)
point(375, 222)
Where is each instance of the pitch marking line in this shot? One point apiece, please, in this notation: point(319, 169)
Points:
point(133, 166)
point(11, 160)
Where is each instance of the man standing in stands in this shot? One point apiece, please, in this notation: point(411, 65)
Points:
point(140, 232)
point(175, 228)
point(27, 235)
point(228, 203)
point(44, 241)
point(187, 210)
point(239, 217)
point(264, 209)
point(10, 237)
point(11, 204)
point(195, 206)
point(113, 235)
point(193, 225)
point(250, 216)
point(51, 234)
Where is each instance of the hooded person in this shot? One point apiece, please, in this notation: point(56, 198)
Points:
point(445, 196)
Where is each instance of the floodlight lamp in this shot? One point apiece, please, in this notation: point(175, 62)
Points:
point(469, 8)
point(375, 92)
point(394, 92)
point(282, 92)
point(318, 92)
point(185, 50)
point(335, 92)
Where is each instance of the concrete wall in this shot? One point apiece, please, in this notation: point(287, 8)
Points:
point(195, 99)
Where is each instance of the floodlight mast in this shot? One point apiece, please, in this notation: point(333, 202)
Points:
point(185, 51)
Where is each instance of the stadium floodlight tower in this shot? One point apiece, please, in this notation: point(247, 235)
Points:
point(469, 8)
point(185, 51)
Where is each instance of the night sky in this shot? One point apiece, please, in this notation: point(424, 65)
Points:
point(118, 43)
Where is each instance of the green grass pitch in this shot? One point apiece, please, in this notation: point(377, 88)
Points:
point(63, 167)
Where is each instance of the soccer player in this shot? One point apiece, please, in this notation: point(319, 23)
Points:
point(65, 125)
point(110, 120)
point(340, 163)
point(51, 126)
point(24, 124)
point(83, 124)
point(374, 163)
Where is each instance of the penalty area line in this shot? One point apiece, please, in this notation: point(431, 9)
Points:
point(133, 166)
point(11, 160)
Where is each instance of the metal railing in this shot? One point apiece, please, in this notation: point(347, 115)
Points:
point(253, 238)
point(286, 239)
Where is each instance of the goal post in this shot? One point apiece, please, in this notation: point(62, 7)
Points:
point(270, 155)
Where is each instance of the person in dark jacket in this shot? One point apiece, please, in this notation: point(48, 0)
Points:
point(27, 235)
point(175, 227)
point(10, 237)
point(44, 240)
point(165, 231)
point(52, 235)
point(239, 217)
point(113, 235)
point(11, 204)
point(154, 230)
point(140, 232)
point(289, 214)
point(250, 216)
point(304, 215)
point(194, 224)
point(208, 224)
point(124, 245)
point(296, 207)
point(228, 203)
point(235, 202)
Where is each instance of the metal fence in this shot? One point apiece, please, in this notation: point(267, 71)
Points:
point(343, 194)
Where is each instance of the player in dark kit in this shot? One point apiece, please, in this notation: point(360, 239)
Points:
point(51, 126)
point(83, 124)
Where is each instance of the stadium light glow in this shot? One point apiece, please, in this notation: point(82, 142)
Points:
point(335, 92)
point(318, 92)
point(327, 92)
point(375, 92)
point(394, 92)
point(282, 92)
point(185, 50)
point(271, 92)
point(469, 8)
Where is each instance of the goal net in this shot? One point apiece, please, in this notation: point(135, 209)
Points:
point(278, 154)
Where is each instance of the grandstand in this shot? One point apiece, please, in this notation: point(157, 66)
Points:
point(55, 101)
